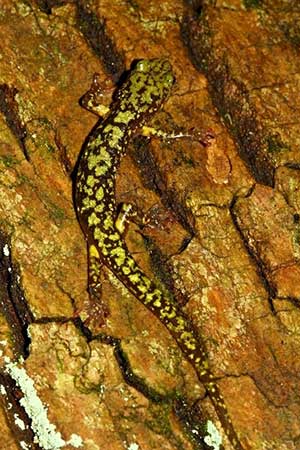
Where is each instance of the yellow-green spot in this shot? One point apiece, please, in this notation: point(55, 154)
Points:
point(170, 314)
point(146, 281)
point(124, 117)
point(131, 263)
point(88, 191)
point(93, 219)
point(101, 156)
point(134, 278)
point(150, 295)
point(126, 270)
point(88, 203)
point(99, 208)
point(188, 340)
point(91, 181)
point(108, 223)
point(100, 170)
point(115, 134)
point(114, 237)
point(99, 194)
point(142, 288)
point(93, 252)
point(118, 254)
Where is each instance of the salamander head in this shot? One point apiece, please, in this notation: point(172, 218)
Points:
point(147, 87)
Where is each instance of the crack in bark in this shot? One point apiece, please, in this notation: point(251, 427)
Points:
point(260, 266)
point(153, 179)
point(13, 304)
point(94, 31)
point(10, 109)
point(47, 5)
point(231, 99)
point(188, 417)
point(15, 413)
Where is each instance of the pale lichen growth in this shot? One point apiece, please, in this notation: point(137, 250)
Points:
point(133, 446)
point(45, 434)
point(19, 422)
point(213, 437)
point(6, 250)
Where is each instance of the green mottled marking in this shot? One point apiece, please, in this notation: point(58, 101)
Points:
point(124, 117)
point(102, 157)
point(99, 194)
point(93, 219)
point(91, 181)
point(143, 93)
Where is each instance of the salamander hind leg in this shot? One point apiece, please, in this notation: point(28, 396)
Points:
point(98, 310)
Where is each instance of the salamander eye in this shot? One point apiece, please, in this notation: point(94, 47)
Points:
point(169, 79)
point(142, 66)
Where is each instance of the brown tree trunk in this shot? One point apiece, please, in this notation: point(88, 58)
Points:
point(222, 228)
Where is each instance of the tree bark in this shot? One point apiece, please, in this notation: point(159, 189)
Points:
point(220, 234)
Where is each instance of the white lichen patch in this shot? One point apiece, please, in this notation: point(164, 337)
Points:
point(213, 437)
point(133, 446)
point(45, 432)
point(6, 250)
point(19, 422)
point(75, 440)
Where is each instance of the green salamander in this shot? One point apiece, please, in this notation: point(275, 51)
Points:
point(142, 94)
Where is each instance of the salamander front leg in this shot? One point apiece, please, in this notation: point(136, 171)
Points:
point(204, 138)
point(94, 99)
point(127, 212)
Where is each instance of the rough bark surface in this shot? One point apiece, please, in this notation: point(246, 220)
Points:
point(222, 230)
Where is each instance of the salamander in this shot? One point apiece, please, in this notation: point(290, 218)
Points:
point(147, 87)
